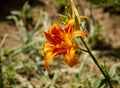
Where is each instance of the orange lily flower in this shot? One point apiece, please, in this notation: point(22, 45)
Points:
point(61, 42)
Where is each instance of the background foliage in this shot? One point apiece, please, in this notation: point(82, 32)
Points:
point(23, 65)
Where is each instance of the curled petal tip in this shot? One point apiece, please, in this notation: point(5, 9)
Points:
point(70, 57)
point(46, 65)
point(49, 57)
point(84, 17)
point(42, 52)
point(79, 33)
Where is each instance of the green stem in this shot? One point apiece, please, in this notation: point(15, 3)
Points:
point(1, 74)
point(96, 62)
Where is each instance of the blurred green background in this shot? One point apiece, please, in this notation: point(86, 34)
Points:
point(22, 24)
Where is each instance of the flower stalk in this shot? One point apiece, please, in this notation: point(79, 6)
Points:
point(106, 75)
point(78, 26)
point(96, 62)
point(61, 41)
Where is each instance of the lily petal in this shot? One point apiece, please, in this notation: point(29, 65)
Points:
point(49, 57)
point(84, 17)
point(50, 38)
point(56, 29)
point(58, 39)
point(47, 47)
point(68, 29)
point(79, 33)
point(72, 21)
point(70, 57)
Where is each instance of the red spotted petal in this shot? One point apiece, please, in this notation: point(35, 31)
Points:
point(55, 29)
point(58, 39)
point(59, 51)
point(68, 29)
point(50, 38)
